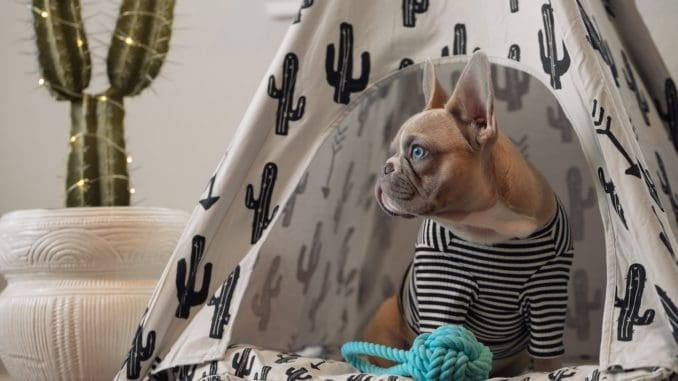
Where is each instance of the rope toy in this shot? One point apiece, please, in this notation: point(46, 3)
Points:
point(449, 353)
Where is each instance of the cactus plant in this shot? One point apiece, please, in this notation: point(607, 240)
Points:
point(630, 304)
point(264, 373)
point(213, 374)
point(285, 95)
point(222, 304)
point(97, 173)
point(633, 86)
point(186, 294)
point(261, 206)
point(578, 202)
point(261, 303)
point(305, 271)
point(671, 113)
point(410, 9)
point(139, 352)
point(549, 56)
point(240, 363)
point(341, 78)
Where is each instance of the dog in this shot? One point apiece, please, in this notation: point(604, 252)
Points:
point(494, 251)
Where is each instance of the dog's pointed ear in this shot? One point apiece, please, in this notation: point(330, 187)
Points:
point(473, 102)
point(434, 95)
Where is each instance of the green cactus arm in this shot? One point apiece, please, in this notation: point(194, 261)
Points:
point(139, 45)
point(63, 53)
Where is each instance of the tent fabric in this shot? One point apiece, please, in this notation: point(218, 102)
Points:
point(286, 249)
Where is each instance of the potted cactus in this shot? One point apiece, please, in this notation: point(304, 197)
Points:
point(79, 277)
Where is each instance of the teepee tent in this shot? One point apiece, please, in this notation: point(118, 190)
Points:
point(286, 248)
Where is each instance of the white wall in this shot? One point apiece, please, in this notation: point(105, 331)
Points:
point(175, 133)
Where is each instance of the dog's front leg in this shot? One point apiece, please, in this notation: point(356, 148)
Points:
point(388, 328)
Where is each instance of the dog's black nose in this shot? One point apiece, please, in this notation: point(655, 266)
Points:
point(388, 168)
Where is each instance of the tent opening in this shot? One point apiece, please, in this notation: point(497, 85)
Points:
point(333, 256)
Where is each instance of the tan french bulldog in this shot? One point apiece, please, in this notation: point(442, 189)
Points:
point(453, 165)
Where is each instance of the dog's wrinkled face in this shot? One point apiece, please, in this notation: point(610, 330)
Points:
point(441, 156)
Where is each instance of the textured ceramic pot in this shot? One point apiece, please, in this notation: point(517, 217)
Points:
point(78, 280)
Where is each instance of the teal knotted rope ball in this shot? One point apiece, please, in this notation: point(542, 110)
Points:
point(450, 352)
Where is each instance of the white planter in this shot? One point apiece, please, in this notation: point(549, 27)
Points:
point(78, 280)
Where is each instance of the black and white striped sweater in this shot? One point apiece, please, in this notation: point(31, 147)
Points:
point(511, 295)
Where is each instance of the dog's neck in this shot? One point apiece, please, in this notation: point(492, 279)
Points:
point(523, 201)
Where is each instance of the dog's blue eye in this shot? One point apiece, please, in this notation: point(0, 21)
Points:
point(418, 152)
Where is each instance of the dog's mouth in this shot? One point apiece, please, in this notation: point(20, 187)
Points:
point(387, 205)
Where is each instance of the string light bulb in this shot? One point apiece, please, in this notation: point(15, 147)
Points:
point(103, 98)
point(41, 81)
point(81, 183)
point(73, 139)
point(129, 160)
point(44, 14)
point(129, 41)
point(132, 191)
point(80, 42)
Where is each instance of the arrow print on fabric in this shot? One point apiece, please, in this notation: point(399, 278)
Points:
point(209, 201)
point(633, 169)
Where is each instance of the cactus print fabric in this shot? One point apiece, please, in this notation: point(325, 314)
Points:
point(286, 249)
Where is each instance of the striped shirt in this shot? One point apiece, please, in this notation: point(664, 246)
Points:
point(511, 295)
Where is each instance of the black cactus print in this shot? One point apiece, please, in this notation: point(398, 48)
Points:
point(261, 303)
point(304, 4)
point(579, 316)
point(405, 62)
point(670, 116)
point(560, 374)
point(285, 95)
point(341, 78)
point(264, 373)
point(337, 145)
point(365, 197)
point(548, 49)
point(288, 210)
point(294, 374)
point(558, 120)
point(186, 294)
point(633, 169)
point(666, 185)
point(208, 201)
point(410, 10)
point(609, 188)
point(186, 372)
point(316, 302)
point(630, 304)
point(285, 358)
point(306, 266)
point(598, 43)
point(671, 311)
point(513, 5)
point(222, 304)
point(139, 352)
point(343, 197)
point(261, 206)
point(345, 278)
point(242, 363)
point(633, 86)
point(595, 376)
point(578, 202)
point(663, 237)
point(514, 52)
point(459, 43)
point(516, 85)
point(213, 374)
